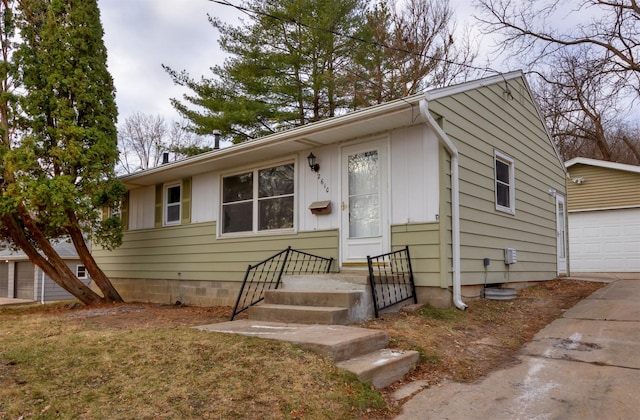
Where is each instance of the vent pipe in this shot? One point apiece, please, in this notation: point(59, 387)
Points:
point(165, 158)
point(216, 139)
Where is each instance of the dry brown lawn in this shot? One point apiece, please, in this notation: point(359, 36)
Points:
point(145, 362)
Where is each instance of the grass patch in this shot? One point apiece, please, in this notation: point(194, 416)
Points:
point(144, 361)
point(55, 367)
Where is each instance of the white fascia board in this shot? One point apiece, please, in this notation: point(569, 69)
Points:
point(602, 164)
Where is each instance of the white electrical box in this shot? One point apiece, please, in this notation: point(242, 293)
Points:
point(510, 256)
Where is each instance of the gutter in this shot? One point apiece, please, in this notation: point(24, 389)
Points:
point(278, 138)
point(455, 199)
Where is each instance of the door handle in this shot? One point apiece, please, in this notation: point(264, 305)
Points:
point(342, 206)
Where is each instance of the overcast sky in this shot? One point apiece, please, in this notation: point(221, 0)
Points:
point(141, 35)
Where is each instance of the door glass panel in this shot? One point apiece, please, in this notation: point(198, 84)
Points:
point(364, 195)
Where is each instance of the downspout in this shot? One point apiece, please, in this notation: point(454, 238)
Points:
point(455, 199)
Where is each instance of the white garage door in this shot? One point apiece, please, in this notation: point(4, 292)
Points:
point(605, 241)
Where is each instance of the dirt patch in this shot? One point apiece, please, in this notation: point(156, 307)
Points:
point(144, 316)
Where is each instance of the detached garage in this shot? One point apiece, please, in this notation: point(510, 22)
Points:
point(604, 216)
point(21, 279)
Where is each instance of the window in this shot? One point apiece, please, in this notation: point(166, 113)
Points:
point(172, 204)
point(116, 210)
point(81, 272)
point(260, 200)
point(505, 183)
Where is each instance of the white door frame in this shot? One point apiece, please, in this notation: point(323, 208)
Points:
point(355, 250)
point(561, 232)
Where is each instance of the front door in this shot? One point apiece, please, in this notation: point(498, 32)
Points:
point(561, 227)
point(365, 230)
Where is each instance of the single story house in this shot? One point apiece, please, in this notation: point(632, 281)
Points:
point(21, 279)
point(604, 216)
point(459, 174)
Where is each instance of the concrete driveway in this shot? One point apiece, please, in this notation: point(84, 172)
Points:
point(585, 365)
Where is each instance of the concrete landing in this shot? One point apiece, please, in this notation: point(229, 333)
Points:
point(336, 342)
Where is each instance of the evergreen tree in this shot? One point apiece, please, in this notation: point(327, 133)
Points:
point(299, 61)
point(284, 69)
point(59, 146)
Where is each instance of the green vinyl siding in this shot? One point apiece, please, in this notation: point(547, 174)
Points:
point(481, 122)
point(423, 240)
point(602, 188)
point(445, 217)
point(192, 252)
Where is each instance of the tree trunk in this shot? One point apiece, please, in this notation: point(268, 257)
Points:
point(632, 147)
point(52, 265)
point(98, 276)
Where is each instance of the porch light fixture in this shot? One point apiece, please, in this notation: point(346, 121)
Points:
point(312, 162)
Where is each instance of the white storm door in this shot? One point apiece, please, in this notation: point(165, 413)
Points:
point(365, 230)
point(561, 228)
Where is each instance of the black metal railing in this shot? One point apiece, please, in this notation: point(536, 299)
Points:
point(391, 279)
point(266, 275)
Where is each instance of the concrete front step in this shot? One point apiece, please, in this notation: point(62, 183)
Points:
point(358, 350)
point(382, 367)
point(335, 342)
point(330, 281)
point(299, 314)
point(350, 291)
point(336, 298)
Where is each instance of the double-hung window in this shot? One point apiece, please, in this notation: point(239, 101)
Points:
point(505, 193)
point(259, 200)
point(172, 203)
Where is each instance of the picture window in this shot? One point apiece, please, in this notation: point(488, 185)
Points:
point(259, 200)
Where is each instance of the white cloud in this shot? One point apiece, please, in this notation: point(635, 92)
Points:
point(141, 35)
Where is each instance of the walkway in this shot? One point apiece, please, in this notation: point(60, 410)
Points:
point(585, 365)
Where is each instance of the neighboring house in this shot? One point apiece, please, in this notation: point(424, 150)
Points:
point(604, 216)
point(21, 279)
point(458, 174)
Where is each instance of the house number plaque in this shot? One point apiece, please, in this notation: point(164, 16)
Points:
point(323, 183)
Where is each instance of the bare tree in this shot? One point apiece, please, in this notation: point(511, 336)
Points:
point(413, 46)
point(590, 76)
point(141, 142)
point(184, 143)
point(144, 138)
point(609, 28)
